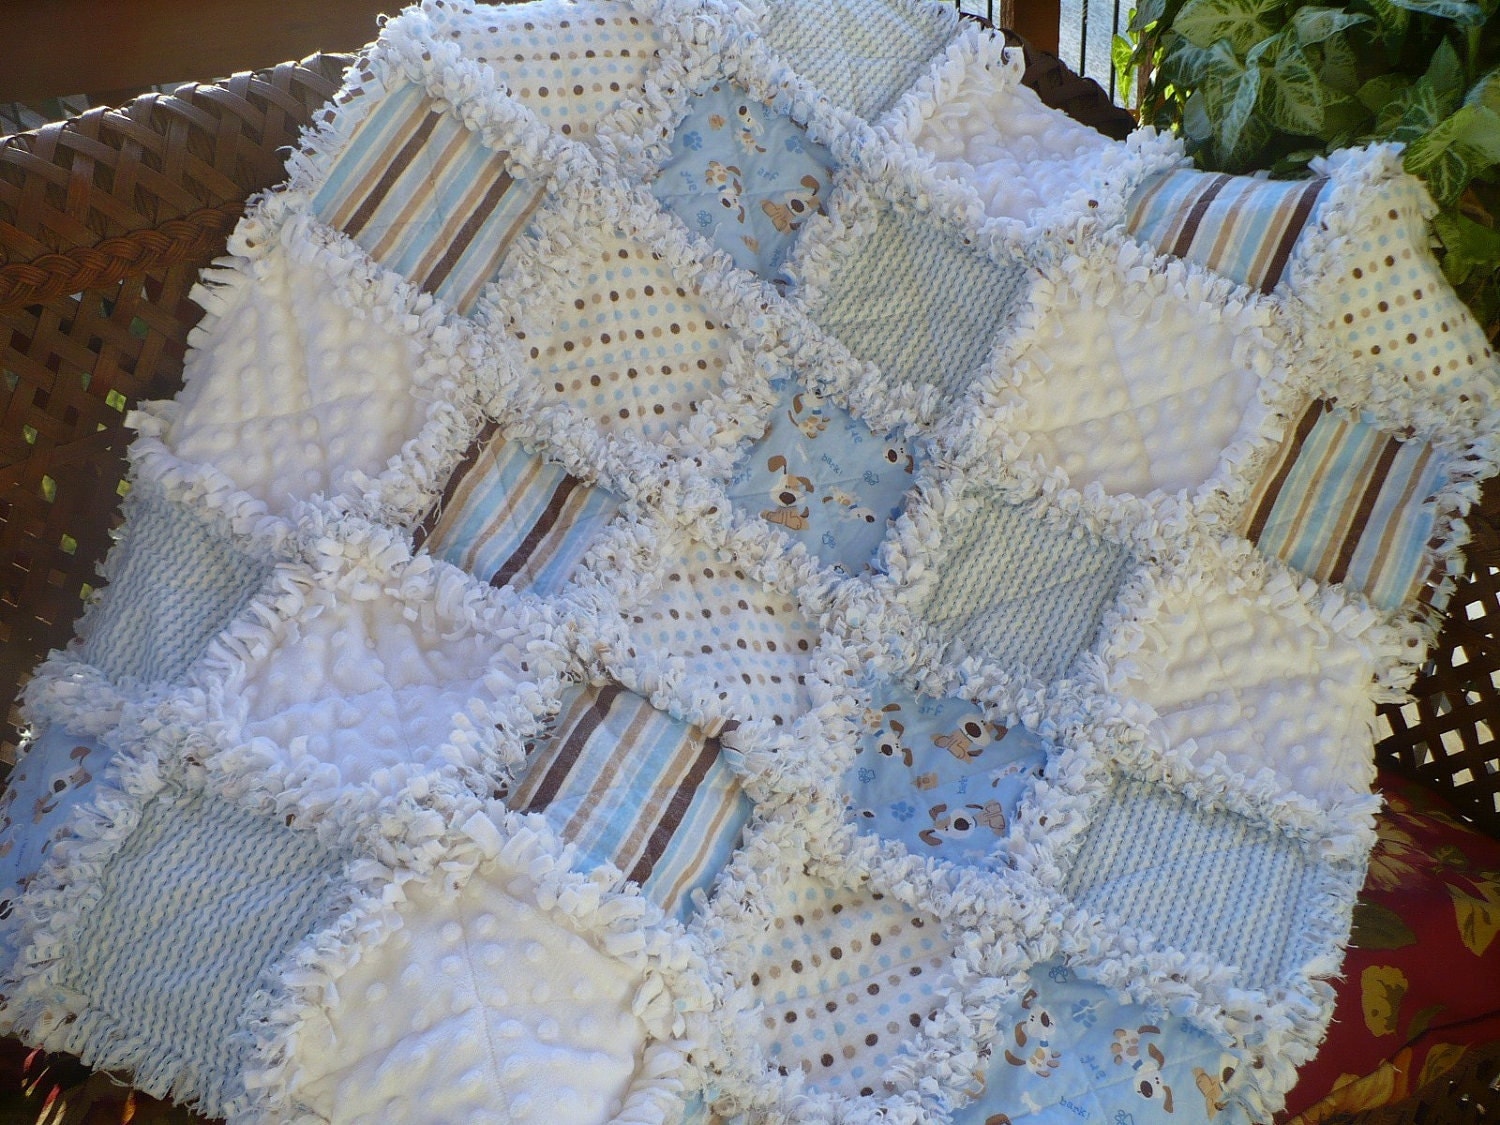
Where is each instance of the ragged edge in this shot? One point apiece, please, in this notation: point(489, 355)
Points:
point(637, 135)
point(1324, 614)
point(1044, 928)
point(351, 561)
point(443, 847)
point(622, 576)
point(148, 767)
point(781, 843)
point(980, 70)
point(539, 277)
point(1320, 255)
point(1101, 268)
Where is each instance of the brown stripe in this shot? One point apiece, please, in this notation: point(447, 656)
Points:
point(418, 186)
point(1195, 216)
point(376, 163)
point(398, 164)
point(465, 234)
point(1305, 204)
point(677, 807)
point(455, 480)
point(463, 301)
point(1362, 511)
point(1289, 456)
point(596, 789)
point(1142, 201)
point(578, 737)
point(539, 531)
point(548, 549)
point(722, 813)
point(1388, 534)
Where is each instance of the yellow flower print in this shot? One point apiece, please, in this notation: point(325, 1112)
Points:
point(1382, 988)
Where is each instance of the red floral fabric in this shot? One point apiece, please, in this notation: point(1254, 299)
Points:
point(1422, 977)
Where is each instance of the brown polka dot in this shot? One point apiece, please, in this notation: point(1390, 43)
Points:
point(1348, 318)
point(914, 1019)
point(1391, 214)
point(865, 1091)
point(658, 408)
point(832, 1006)
point(873, 989)
point(875, 939)
point(593, 380)
point(790, 1017)
point(826, 1060)
point(848, 1052)
point(577, 89)
point(567, 130)
point(837, 908)
point(796, 966)
point(542, 90)
point(1411, 337)
point(1375, 349)
point(568, 345)
point(1390, 261)
point(624, 412)
point(836, 953)
point(604, 337)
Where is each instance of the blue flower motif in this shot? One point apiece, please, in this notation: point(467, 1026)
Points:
point(903, 811)
point(794, 143)
point(871, 476)
point(1123, 1118)
point(866, 775)
point(693, 140)
point(1060, 973)
point(1086, 1013)
point(828, 540)
point(705, 220)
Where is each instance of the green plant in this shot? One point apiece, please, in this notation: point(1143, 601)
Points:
point(1273, 83)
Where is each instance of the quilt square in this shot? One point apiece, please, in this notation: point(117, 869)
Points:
point(176, 580)
point(633, 787)
point(1154, 393)
point(426, 197)
point(1268, 687)
point(862, 53)
point(631, 347)
point(1020, 591)
point(1390, 306)
point(821, 475)
point(1068, 1047)
point(1240, 226)
point(511, 996)
point(749, 640)
point(363, 691)
point(939, 775)
point(199, 901)
point(844, 979)
point(1346, 502)
point(744, 176)
point(918, 303)
point(511, 518)
point(1211, 882)
point(571, 62)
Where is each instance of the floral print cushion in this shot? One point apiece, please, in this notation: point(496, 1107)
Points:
point(1421, 981)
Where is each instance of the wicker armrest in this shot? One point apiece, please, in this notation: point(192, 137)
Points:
point(105, 221)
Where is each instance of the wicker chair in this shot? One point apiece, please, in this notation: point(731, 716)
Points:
point(105, 221)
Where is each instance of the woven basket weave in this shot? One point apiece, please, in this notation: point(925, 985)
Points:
point(105, 221)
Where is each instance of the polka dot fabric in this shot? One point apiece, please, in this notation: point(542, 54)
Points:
point(844, 980)
point(569, 63)
point(1390, 308)
point(633, 349)
point(750, 642)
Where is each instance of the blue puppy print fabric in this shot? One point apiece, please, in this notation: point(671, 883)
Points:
point(52, 778)
point(1068, 1052)
point(824, 478)
point(938, 774)
point(744, 177)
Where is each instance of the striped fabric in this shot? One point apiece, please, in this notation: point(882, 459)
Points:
point(632, 786)
point(425, 197)
point(1239, 226)
point(1346, 502)
point(512, 519)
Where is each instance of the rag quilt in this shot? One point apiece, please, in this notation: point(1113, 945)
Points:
point(718, 560)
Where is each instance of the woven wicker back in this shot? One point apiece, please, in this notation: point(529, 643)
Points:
point(104, 224)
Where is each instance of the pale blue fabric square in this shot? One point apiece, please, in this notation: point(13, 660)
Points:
point(744, 176)
point(53, 777)
point(1211, 882)
point(862, 53)
point(937, 775)
point(177, 582)
point(1069, 1052)
point(918, 303)
point(200, 899)
point(1022, 593)
point(824, 478)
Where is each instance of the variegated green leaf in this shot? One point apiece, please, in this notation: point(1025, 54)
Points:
point(1242, 23)
point(1459, 11)
point(1315, 24)
point(1486, 91)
